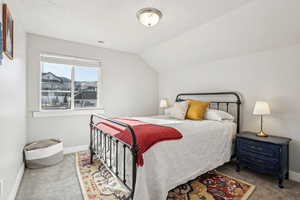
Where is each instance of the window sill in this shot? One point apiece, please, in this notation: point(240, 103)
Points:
point(60, 113)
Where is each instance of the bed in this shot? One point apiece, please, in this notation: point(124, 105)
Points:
point(205, 145)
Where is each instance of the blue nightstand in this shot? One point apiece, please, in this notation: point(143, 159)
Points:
point(264, 154)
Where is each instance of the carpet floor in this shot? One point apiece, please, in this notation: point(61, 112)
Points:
point(60, 182)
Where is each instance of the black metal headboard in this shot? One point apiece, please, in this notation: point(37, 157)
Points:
point(217, 102)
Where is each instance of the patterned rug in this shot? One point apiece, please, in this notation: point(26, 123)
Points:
point(97, 183)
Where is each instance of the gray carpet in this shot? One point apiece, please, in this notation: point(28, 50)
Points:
point(60, 183)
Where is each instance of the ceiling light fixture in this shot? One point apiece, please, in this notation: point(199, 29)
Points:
point(149, 16)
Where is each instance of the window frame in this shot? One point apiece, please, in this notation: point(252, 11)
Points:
point(73, 110)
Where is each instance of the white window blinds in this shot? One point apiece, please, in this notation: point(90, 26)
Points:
point(69, 60)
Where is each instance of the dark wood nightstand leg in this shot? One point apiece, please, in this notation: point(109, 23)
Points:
point(238, 167)
point(287, 176)
point(280, 181)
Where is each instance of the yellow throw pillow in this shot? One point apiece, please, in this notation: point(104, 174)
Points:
point(196, 109)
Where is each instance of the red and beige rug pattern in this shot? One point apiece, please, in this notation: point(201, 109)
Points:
point(97, 183)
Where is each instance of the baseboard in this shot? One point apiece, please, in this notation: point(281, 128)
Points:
point(68, 150)
point(295, 176)
point(14, 191)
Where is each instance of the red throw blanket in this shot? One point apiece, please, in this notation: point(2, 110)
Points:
point(146, 134)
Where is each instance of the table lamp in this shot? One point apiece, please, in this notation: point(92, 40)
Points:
point(261, 108)
point(163, 104)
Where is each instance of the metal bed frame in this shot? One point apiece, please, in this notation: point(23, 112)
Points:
point(104, 142)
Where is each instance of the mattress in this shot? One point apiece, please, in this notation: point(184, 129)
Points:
point(205, 145)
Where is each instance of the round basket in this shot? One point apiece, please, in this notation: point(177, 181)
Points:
point(43, 153)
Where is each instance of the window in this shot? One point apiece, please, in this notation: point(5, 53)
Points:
point(69, 83)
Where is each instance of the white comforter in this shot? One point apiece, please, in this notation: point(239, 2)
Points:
point(205, 145)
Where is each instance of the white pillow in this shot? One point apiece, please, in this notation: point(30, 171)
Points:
point(217, 115)
point(178, 110)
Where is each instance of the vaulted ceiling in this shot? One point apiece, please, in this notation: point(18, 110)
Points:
point(191, 32)
point(258, 26)
point(114, 21)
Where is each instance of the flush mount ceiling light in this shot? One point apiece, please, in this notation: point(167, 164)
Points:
point(149, 16)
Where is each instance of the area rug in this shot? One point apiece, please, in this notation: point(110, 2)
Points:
point(97, 183)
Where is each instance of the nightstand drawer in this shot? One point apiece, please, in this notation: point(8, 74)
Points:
point(261, 148)
point(260, 163)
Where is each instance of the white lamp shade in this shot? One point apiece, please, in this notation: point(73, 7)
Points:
point(261, 108)
point(163, 103)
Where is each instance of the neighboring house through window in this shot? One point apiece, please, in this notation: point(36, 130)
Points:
point(69, 83)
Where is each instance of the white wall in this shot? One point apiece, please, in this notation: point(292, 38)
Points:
point(271, 75)
point(254, 50)
point(12, 107)
point(129, 88)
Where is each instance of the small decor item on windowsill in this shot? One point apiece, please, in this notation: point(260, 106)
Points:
point(261, 108)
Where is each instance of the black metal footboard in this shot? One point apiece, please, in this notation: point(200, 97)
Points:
point(109, 149)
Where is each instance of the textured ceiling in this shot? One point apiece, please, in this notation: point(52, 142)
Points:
point(114, 21)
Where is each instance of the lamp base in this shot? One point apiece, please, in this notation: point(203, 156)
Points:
point(261, 134)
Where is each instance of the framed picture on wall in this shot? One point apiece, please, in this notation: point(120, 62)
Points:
point(1, 44)
point(8, 32)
